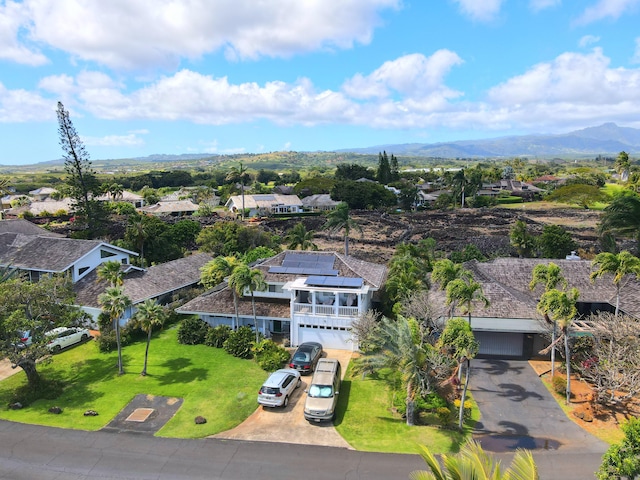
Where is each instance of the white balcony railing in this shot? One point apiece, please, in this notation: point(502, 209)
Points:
point(324, 310)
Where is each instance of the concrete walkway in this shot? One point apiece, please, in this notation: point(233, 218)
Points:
point(6, 370)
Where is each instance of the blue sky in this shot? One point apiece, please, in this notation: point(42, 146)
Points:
point(141, 77)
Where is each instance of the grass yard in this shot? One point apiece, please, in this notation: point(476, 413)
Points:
point(365, 420)
point(212, 383)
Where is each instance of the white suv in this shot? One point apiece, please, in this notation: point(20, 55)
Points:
point(63, 337)
point(278, 388)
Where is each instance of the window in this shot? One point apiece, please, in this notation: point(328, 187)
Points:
point(82, 270)
point(106, 254)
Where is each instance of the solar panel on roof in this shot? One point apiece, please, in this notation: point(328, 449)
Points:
point(346, 282)
point(303, 271)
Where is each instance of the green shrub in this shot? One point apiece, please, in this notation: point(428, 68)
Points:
point(107, 340)
point(400, 402)
point(510, 199)
point(240, 343)
point(433, 401)
point(444, 415)
point(216, 336)
point(192, 331)
point(559, 384)
point(269, 355)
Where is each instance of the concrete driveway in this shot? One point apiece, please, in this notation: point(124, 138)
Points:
point(287, 425)
point(517, 411)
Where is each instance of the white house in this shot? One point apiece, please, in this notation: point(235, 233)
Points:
point(38, 252)
point(310, 296)
point(265, 204)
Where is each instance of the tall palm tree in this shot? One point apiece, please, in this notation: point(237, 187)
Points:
point(299, 236)
point(115, 303)
point(562, 307)
point(237, 174)
point(463, 292)
point(622, 216)
point(550, 276)
point(245, 278)
point(405, 277)
point(150, 314)
point(472, 462)
point(214, 273)
point(138, 230)
point(619, 266)
point(111, 272)
point(340, 220)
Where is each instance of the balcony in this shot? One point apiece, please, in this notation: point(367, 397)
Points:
point(324, 310)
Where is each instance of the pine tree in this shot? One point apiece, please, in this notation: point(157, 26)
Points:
point(383, 174)
point(82, 181)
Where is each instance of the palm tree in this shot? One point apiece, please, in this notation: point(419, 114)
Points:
point(115, 303)
point(111, 272)
point(619, 266)
point(115, 190)
point(463, 292)
point(622, 216)
point(214, 273)
point(472, 462)
point(445, 271)
point(150, 314)
point(339, 220)
point(405, 277)
point(550, 276)
point(252, 279)
point(235, 174)
point(138, 230)
point(298, 236)
point(562, 306)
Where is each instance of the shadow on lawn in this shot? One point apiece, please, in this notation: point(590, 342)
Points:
point(180, 372)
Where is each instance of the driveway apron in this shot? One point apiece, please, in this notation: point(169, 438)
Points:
point(517, 411)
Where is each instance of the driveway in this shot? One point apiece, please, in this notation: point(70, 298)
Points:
point(517, 411)
point(6, 370)
point(288, 425)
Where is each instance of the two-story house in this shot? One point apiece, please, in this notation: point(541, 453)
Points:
point(310, 296)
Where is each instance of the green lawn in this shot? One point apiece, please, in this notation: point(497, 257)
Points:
point(213, 384)
point(366, 422)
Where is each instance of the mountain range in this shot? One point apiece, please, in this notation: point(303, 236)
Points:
point(606, 139)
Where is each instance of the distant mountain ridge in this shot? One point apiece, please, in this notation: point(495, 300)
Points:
point(607, 139)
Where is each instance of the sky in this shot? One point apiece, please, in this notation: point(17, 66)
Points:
point(143, 77)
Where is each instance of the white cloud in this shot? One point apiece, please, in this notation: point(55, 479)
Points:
point(130, 140)
point(19, 106)
point(480, 10)
point(537, 5)
point(411, 76)
point(588, 40)
point(150, 33)
point(13, 17)
point(606, 9)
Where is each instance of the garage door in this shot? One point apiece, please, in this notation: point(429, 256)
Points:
point(500, 344)
point(340, 339)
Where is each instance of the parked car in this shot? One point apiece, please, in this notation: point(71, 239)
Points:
point(306, 357)
point(63, 337)
point(275, 392)
point(322, 395)
point(25, 339)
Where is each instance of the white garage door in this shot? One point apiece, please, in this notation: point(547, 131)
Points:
point(500, 344)
point(328, 337)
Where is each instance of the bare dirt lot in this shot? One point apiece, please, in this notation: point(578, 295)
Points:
point(487, 228)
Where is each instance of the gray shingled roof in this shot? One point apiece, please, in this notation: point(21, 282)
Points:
point(25, 227)
point(220, 301)
point(45, 253)
point(150, 283)
point(505, 282)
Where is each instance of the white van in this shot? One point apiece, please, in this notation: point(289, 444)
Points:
point(322, 394)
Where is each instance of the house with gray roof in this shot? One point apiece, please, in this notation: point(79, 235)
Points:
point(511, 325)
point(310, 296)
point(38, 252)
point(176, 208)
point(158, 282)
point(320, 202)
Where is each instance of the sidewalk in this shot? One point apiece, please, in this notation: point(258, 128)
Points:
point(6, 370)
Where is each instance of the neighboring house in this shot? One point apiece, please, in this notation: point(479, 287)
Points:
point(42, 194)
point(320, 202)
point(310, 296)
point(424, 199)
point(178, 208)
point(265, 204)
point(5, 202)
point(126, 196)
point(191, 193)
point(43, 253)
point(511, 326)
point(159, 282)
point(44, 207)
